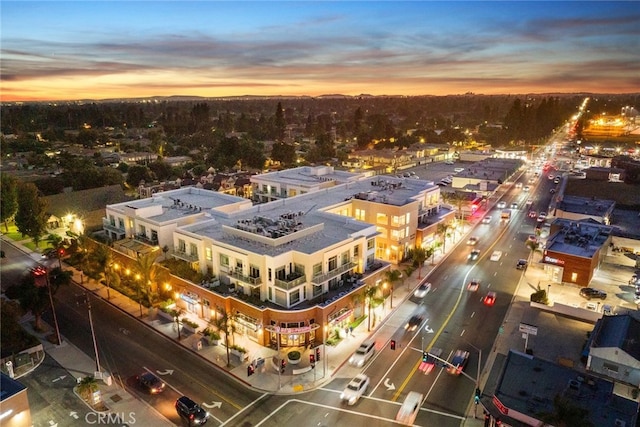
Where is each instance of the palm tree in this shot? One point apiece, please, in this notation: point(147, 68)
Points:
point(101, 267)
point(225, 323)
point(356, 300)
point(86, 388)
point(419, 256)
point(533, 247)
point(34, 298)
point(177, 315)
point(456, 199)
point(442, 230)
point(392, 276)
point(150, 274)
point(430, 252)
point(57, 244)
point(369, 294)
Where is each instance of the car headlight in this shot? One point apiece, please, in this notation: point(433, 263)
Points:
point(351, 359)
point(352, 400)
point(360, 363)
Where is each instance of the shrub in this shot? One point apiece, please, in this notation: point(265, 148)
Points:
point(238, 348)
point(540, 296)
point(188, 322)
point(294, 355)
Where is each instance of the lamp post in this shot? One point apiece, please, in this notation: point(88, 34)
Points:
point(137, 277)
point(53, 310)
point(85, 300)
point(106, 280)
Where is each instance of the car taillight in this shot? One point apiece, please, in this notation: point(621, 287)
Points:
point(191, 416)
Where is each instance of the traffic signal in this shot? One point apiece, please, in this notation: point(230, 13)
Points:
point(250, 370)
point(312, 360)
point(425, 356)
point(476, 398)
point(393, 344)
point(318, 354)
point(61, 252)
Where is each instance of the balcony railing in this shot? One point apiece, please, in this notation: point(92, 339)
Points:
point(253, 281)
point(333, 273)
point(144, 239)
point(183, 255)
point(112, 227)
point(290, 284)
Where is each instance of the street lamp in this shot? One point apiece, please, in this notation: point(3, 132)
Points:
point(137, 277)
point(85, 300)
point(53, 309)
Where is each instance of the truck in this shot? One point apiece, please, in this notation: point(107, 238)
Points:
point(505, 215)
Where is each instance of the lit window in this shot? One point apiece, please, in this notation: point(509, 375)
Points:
point(574, 277)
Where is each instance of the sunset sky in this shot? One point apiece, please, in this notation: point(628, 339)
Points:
point(98, 50)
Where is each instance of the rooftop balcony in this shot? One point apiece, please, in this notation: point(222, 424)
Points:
point(183, 255)
point(321, 278)
point(106, 224)
point(253, 281)
point(293, 280)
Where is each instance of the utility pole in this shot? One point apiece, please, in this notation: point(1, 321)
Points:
point(53, 310)
point(85, 300)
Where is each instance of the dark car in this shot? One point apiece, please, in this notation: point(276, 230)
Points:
point(521, 264)
point(473, 255)
point(191, 412)
point(150, 383)
point(413, 323)
point(458, 362)
point(589, 293)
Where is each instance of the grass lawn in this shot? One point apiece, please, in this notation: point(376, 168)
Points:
point(621, 193)
point(13, 233)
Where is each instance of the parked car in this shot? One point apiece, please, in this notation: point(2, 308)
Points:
point(590, 293)
point(473, 240)
point(150, 383)
point(459, 361)
point(355, 389)
point(521, 264)
point(422, 290)
point(473, 285)
point(191, 412)
point(496, 255)
point(413, 323)
point(489, 299)
point(363, 353)
point(473, 255)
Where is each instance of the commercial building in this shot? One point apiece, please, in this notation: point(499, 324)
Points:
point(292, 266)
point(14, 403)
point(575, 249)
point(578, 208)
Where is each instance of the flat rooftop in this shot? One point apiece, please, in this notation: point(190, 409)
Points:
point(301, 223)
point(529, 385)
point(586, 205)
point(581, 238)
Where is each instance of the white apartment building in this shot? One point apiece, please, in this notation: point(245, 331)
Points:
point(306, 252)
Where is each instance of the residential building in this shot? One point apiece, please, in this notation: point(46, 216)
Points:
point(290, 266)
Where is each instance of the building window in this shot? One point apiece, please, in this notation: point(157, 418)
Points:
point(208, 254)
point(345, 258)
point(317, 269)
point(224, 260)
point(356, 251)
point(333, 263)
point(360, 214)
point(397, 220)
point(193, 249)
point(121, 223)
point(254, 271)
point(112, 220)
point(182, 246)
point(371, 243)
point(294, 297)
point(574, 277)
point(381, 218)
point(383, 232)
point(142, 230)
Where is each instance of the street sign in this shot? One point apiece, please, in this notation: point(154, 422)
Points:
point(528, 329)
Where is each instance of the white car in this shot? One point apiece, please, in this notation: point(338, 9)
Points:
point(355, 389)
point(363, 353)
point(422, 290)
point(496, 255)
point(502, 205)
point(527, 188)
point(486, 220)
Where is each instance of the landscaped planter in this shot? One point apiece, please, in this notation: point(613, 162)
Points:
point(294, 357)
point(165, 315)
point(241, 355)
